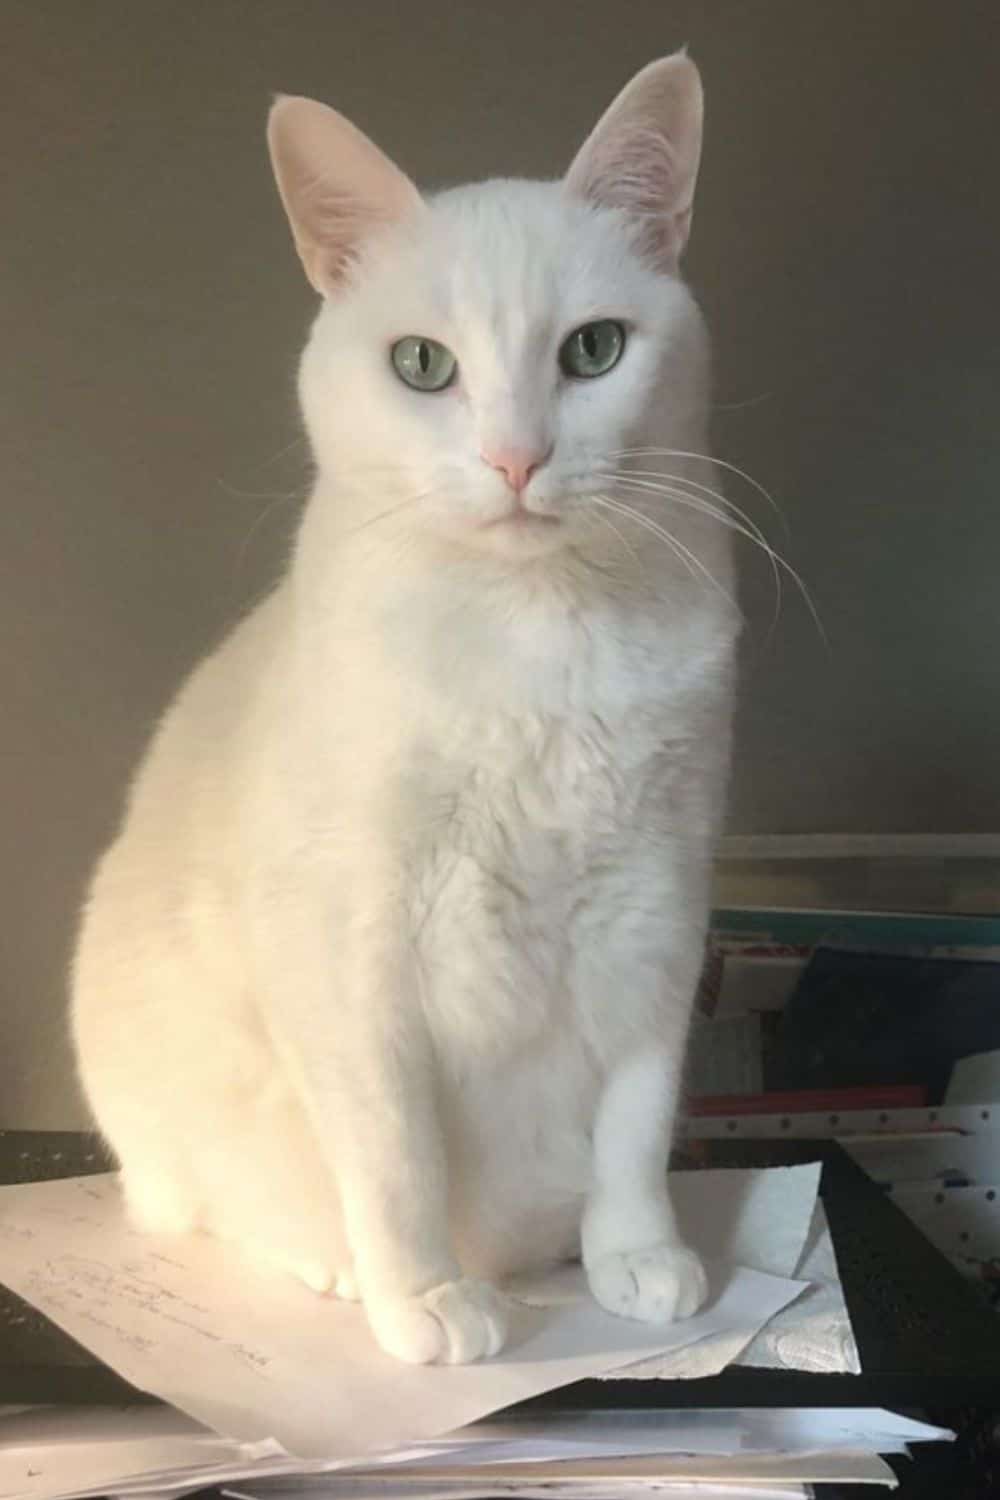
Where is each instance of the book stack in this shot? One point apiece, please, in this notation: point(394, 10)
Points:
point(881, 1030)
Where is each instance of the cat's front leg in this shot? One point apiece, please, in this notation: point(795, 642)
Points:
point(639, 946)
point(367, 1073)
point(636, 1263)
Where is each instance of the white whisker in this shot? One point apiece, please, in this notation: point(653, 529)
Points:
point(278, 500)
point(694, 484)
point(384, 515)
point(620, 535)
point(679, 497)
point(645, 481)
point(778, 565)
point(706, 458)
point(297, 442)
point(742, 405)
point(684, 553)
point(275, 495)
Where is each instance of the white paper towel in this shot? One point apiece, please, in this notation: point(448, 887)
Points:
point(815, 1332)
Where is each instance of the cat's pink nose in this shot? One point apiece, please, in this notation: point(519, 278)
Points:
point(515, 464)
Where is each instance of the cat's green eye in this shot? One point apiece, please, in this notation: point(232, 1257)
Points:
point(593, 349)
point(423, 363)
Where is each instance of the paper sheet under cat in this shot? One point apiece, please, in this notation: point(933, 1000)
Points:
point(387, 976)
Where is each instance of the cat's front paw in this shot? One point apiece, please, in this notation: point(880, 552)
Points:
point(658, 1285)
point(452, 1324)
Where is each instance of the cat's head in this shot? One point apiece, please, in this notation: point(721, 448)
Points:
point(484, 358)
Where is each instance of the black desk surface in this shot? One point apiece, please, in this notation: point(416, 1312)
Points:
point(925, 1337)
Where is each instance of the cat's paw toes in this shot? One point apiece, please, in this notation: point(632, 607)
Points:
point(345, 1286)
point(159, 1205)
point(452, 1324)
point(658, 1285)
point(314, 1274)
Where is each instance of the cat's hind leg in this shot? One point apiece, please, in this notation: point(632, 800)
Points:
point(319, 1276)
point(270, 1190)
point(160, 1198)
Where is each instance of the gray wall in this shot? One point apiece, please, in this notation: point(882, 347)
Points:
point(845, 250)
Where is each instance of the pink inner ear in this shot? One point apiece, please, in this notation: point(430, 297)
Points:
point(634, 168)
point(336, 185)
point(642, 156)
point(339, 223)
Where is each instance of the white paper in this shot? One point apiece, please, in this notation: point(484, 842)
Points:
point(761, 1216)
point(618, 1475)
point(578, 1489)
point(929, 1159)
point(758, 1218)
point(724, 1431)
point(101, 1466)
point(846, 1467)
point(42, 1428)
point(40, 1452)
point(256, 1356)
point(735, 1448)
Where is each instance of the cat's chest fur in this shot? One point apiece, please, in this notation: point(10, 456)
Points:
point(531, 736)
point(538, 750)
point(499, 885)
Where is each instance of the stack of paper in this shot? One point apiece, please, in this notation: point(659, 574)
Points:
point(143, 1450)
point(268, 1386)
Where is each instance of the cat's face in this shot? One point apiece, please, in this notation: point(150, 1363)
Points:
point(483, 361)
point(554, 349)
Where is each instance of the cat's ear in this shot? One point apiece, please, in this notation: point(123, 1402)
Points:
point(642, 155)
point(336, 185)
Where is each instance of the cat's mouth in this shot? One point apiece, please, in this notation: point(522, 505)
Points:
point(522, 519)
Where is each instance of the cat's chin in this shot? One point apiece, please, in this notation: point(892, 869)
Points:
point(521, 534)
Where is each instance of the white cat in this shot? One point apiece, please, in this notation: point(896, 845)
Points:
point(387, 977)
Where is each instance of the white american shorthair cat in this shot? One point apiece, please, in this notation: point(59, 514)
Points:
point(388, 974)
